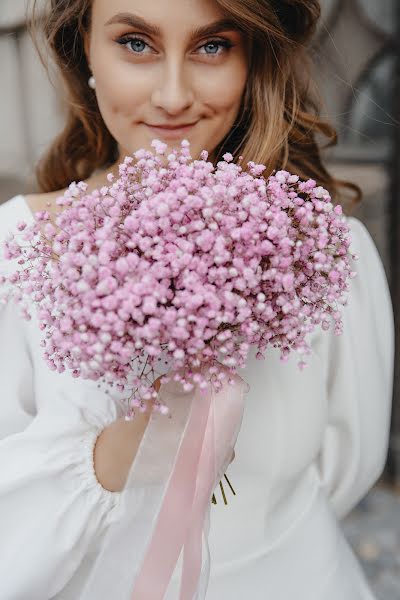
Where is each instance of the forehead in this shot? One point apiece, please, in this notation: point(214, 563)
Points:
point(162, 13)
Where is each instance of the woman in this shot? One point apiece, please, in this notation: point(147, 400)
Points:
point(312, 443)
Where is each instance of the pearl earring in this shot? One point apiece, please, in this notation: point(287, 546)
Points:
point(92, 82)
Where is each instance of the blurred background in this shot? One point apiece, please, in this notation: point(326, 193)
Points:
point(357, 62)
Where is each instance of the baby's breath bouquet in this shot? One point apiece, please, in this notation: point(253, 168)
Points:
point(181, 257)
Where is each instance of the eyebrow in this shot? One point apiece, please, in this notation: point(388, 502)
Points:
point(139, 23)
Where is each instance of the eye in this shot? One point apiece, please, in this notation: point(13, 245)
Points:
point(226, 45)
point(136, 42)
point(135, 45)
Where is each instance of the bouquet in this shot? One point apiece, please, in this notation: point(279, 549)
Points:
point(182, 258)
point(196, 261)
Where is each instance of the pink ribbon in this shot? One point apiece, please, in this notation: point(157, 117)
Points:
point(224, 425)
point(175, 514)
point(206, 480)
point(181, 519)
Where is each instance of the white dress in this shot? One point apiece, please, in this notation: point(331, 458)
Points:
point(312, 444)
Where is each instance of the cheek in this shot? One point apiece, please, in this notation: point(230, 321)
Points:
point(120, 97)
point(224, 90)
point(118, 88)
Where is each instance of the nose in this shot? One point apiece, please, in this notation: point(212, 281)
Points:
point(173, 91)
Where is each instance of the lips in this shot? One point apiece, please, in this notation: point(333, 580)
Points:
point(170, 131)
point(168, 126)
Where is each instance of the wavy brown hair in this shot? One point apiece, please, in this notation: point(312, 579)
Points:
point(279, 121)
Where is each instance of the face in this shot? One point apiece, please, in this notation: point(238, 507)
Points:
point(154, 66)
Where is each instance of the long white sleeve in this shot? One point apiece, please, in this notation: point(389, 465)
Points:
point(359, 378)
point(52, 508)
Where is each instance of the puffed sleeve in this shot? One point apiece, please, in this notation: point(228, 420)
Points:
point(52, 507)
point(359, 377)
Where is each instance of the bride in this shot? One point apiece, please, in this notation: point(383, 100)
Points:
point(90, 505)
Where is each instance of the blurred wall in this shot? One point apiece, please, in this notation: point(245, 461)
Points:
point(355, 65)
point(30, 108)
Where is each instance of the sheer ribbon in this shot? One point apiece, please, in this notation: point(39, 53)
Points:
point(167, 498)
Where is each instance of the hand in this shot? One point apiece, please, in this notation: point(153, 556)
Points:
point(233, 457)
point(115, 450)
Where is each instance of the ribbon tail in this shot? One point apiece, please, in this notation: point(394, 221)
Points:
point(225, 417)
point(174, 518)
